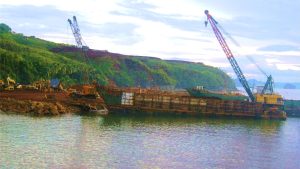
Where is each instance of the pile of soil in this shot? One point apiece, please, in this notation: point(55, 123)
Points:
point(35, 108)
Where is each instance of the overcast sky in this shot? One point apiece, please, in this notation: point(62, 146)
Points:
point(268, 31)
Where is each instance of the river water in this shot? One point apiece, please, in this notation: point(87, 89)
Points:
point(147, 142)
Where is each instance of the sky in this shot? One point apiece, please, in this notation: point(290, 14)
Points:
point(266, 31)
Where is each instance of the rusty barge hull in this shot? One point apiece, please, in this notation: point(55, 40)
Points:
point(145, 101)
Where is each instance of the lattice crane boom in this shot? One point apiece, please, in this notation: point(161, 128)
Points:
point(229, 55)
point(80, 44)
point(76, 32)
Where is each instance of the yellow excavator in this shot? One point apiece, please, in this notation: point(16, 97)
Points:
point(10, 84)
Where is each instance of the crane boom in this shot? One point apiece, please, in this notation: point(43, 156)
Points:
point(268, 87)
point(80, 44)
point(229, 55)
point(76, 31)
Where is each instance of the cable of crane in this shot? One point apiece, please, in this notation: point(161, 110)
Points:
point(228, 35)
point(237, 44)
point(255, 63)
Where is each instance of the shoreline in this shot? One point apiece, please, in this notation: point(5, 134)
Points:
point(44, 107)
point(35, 108)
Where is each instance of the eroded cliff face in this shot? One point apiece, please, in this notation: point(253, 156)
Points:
point(35, 108)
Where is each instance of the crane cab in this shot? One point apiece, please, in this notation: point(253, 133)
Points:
point(269, 99)
point(88, 90)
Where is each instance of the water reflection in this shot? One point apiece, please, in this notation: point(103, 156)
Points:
point(264, 126)
point(147, 142)
point(175, 141)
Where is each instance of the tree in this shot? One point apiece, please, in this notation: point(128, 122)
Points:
point(4, 28)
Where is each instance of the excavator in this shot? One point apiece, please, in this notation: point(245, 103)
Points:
point(267, 96)
point(10, 84)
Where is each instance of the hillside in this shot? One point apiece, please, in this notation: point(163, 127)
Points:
point(28, 59)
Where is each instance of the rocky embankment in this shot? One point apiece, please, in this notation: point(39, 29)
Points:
point(35, 108)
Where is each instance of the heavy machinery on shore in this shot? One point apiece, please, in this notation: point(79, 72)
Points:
point(87, 90)
point(10, 84)
point(267, 96)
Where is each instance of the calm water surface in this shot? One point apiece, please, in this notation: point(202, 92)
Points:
point(147, 142)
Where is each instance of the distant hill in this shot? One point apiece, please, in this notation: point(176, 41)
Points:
point(279, 85)
point(28, 59)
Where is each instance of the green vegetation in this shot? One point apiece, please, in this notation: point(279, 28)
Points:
point(27, 59)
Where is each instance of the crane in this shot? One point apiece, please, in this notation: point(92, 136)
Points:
point(80, 43)
point(76, 32)
point(229, 55)
point(270, 99)
point(88, 91)
point(268, 87)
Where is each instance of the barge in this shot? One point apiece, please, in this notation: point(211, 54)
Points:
point(155, 101)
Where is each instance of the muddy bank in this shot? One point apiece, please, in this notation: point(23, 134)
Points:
point(35, 108)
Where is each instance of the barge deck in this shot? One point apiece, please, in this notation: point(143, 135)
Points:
point(154, 101)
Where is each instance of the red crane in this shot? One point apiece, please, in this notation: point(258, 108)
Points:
point(229, 55)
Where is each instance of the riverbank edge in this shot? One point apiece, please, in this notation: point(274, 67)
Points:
point(36, 108)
